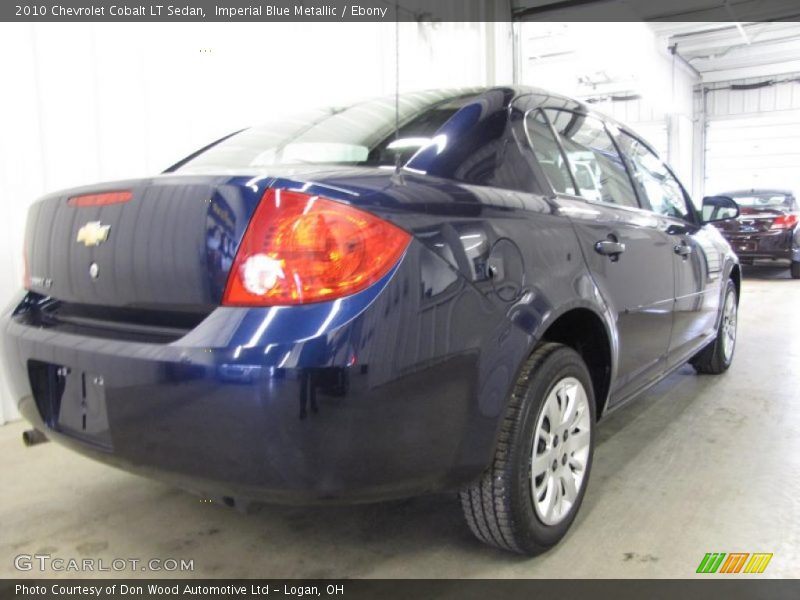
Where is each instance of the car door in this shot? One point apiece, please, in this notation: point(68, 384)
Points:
point(696, 261)
point(626, 248)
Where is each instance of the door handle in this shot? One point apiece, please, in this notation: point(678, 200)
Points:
point(683, 250)
point(609, 248)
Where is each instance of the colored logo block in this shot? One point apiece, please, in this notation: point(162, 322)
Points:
point(734, 562)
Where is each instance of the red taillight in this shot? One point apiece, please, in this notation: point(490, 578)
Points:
point(101, 199)
point(300, 248)
point(784, 222)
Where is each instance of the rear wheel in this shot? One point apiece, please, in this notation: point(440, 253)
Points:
point(718, 356)
point(527, 499)
point(795, 269)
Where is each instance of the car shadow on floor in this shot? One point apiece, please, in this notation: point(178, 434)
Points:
point(766, 271)
point(633, 428)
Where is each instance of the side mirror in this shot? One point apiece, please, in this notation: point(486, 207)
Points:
point(719, 208)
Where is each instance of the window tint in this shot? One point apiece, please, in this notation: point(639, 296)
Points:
point(593, 157)
point(659, 190)
point(548, 154)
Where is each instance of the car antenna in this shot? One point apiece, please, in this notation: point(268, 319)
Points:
point(398, 166)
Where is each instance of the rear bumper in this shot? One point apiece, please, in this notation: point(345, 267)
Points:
point(769, 245)
point(366, 398)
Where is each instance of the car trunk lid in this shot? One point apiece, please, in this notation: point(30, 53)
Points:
point(169, 246)
point(752, 220)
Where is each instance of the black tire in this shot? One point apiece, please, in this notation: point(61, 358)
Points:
point(711, 360)
point(499, 507)
point(795, 269)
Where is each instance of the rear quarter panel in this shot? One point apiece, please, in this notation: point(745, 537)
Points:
point(512, 247)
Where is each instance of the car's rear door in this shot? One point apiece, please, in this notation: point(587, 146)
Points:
point(696, 260)
point(626, 248)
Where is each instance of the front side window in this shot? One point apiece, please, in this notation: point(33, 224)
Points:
point(658, 188)
point(598, 169)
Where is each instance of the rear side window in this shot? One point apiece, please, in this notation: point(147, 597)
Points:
point(548, 153)
point(598, 169)
point(658, 188)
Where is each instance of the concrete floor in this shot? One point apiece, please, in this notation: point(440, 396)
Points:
point(699, 464)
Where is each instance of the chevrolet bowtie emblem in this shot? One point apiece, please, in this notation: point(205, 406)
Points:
point(93, 233)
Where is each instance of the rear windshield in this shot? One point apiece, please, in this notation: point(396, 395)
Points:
point(769, 200)
point(362, 134)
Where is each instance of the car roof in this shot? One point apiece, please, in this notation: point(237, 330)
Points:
point(517, 91)
point(546, 97)
point(540, 97)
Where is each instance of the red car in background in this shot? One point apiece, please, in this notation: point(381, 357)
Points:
point(767, 227)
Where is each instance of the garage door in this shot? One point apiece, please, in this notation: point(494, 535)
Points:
point(753, 152)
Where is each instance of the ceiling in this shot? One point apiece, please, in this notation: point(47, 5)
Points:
point(720, 51)
point(715, 51)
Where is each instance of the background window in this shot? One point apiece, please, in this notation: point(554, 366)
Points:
point(593, 157)
point(548, 154)
point(658, 188)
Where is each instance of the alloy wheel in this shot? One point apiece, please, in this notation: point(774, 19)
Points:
point(729, 315)
point(560, 451)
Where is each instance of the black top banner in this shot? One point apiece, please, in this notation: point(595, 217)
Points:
point(396, 10)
